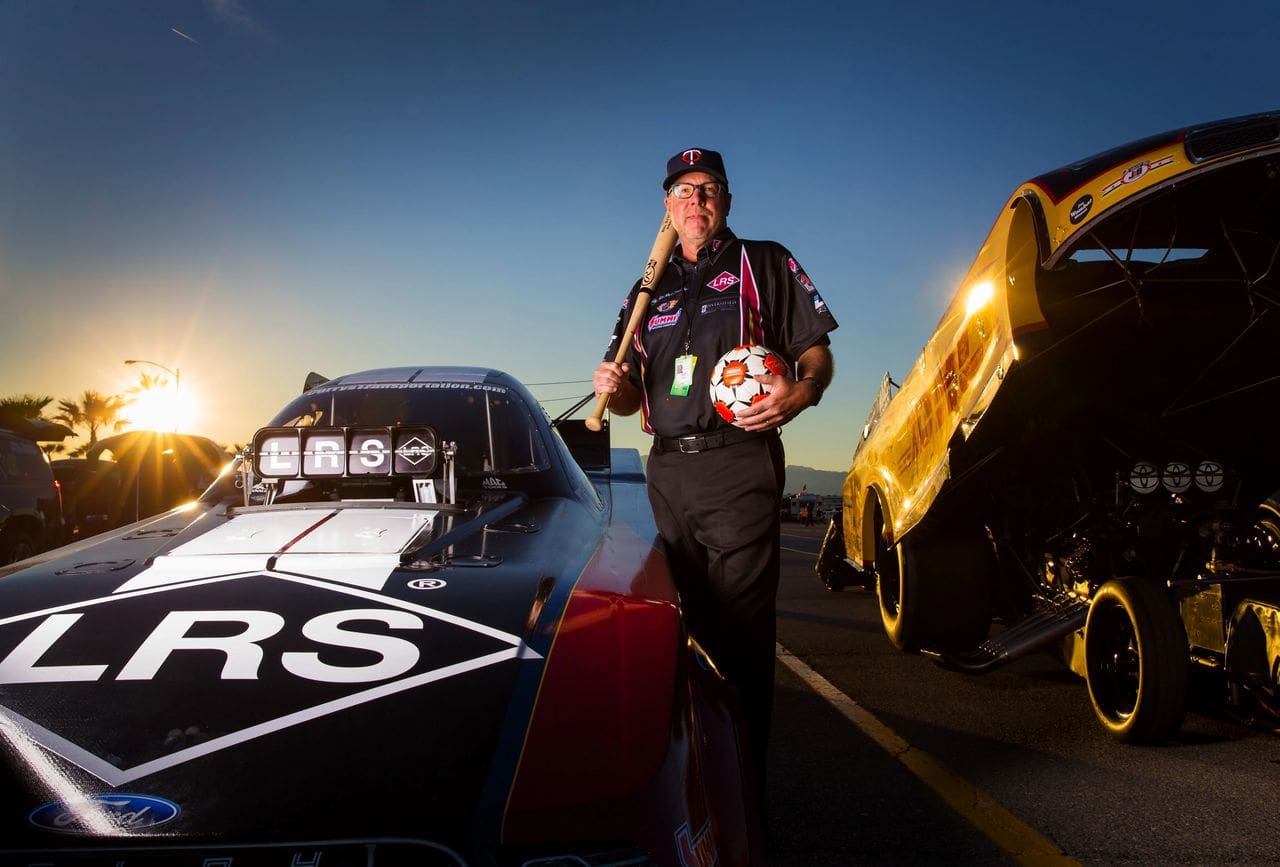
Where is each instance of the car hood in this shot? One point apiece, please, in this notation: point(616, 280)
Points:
point(282, 673)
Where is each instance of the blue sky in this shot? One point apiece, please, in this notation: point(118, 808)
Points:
point(248, 190)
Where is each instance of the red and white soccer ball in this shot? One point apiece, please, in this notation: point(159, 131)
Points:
point(734, 385)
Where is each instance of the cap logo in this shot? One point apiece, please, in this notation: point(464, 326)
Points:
point(691, 156)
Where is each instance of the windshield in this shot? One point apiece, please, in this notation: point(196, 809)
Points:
point(492, 427)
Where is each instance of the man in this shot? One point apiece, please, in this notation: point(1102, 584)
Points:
point(716, 488)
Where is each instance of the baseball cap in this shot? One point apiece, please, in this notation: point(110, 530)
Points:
point(694, 160)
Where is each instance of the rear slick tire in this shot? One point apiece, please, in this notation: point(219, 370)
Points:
point(1136, 661)
point(934, 588)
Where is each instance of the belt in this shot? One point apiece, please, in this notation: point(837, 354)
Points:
point(705, 442)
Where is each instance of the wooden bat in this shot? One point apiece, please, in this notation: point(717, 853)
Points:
point(663, 244)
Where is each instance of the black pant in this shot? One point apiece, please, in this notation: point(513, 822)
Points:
point(718, 514)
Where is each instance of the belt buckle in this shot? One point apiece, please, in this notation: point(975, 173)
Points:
point(681, 442)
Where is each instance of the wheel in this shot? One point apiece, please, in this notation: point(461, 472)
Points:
point(934, 588)
point(15, 545)
point(1136, 661)
point(834, 571)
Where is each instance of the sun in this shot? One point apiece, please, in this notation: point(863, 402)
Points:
point(162, 409)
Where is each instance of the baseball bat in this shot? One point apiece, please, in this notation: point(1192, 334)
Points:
point(663, 244)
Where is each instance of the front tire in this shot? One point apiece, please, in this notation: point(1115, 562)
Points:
point(834, 571)
point(1136, 661)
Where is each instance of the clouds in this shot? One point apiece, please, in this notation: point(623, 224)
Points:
point(234, 14)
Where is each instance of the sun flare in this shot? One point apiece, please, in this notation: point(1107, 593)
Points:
point(162, 409)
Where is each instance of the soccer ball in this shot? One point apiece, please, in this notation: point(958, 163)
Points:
point(734, 386)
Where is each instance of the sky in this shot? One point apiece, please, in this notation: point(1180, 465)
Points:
point(246, 191)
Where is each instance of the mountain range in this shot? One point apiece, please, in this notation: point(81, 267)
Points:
point(815, 481)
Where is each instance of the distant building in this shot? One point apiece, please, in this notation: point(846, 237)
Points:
point(821, 504)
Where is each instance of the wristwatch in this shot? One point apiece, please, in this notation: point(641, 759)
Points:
point(818, 388)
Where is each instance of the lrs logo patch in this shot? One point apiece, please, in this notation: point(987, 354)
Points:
point(723, 281)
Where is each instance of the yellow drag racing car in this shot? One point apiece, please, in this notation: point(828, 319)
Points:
point(1084, 451)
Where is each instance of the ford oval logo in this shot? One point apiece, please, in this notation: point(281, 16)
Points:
point(100, 814)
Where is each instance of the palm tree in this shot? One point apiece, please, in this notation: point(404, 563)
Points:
point(16, 408)
point(147, 382)
point(92, 411)
point(23, 405)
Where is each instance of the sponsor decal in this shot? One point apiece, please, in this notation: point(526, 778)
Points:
point(698, 850)
point(819, 305)
point(1081, 209)
point(807, 283)
point(415, 451)
point(1210, 476)
point(1135, 173)
point(671, 304)
point(493, 483)
point(427, 584)
point(665, 321)
point(245, 653)
point(104, 814)
point(1177, 477)
point(691, 156)
point(400, 386)
point(791, 263)
point(718, 304)
point(723, 281)
point(1144, 477)
point(715, 245)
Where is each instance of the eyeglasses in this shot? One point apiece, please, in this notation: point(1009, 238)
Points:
point(711, 189)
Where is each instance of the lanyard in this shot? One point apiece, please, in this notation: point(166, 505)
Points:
point(691, 303)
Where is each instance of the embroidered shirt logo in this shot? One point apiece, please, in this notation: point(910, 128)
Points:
point(723, 282)
point(664, 321)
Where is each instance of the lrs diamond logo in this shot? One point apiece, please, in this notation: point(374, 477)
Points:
point(723, 281)
point(415, 451)
point(101, 682)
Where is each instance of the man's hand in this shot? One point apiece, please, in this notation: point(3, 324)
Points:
point(611, 378)
point(790, 397)
point(787, 400)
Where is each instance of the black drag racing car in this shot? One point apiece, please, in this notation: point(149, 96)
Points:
point(406, 627)
point(1085, 448)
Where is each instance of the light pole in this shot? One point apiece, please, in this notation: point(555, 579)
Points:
point(177, 374)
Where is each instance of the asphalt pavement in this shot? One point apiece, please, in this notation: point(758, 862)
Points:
point(1021, 741)
point(835, 796)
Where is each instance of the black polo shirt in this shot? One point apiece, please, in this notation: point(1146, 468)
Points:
point(737, 292)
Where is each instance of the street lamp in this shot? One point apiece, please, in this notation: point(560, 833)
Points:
point(177, 374)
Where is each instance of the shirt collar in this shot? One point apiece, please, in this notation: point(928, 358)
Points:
point(710, 251)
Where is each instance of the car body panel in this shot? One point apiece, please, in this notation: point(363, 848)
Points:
point(503, 678)
point(903, 459)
